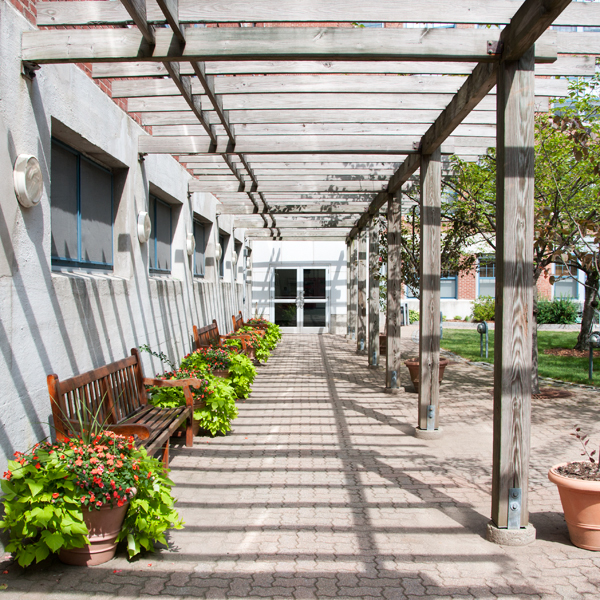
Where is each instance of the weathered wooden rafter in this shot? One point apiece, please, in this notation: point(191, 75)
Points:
point(496, 12)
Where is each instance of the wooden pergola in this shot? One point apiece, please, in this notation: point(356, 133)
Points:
point(307, 132)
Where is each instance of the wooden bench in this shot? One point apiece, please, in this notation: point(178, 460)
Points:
point(115, 395)
point(208, 336)
point(238, 323)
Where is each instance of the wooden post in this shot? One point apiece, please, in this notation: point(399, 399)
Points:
point(361, 328)
point(348, 286)
point(514, 294)
point(352, 292)
point(429, 280)
point(374, 268)
point(394, 293)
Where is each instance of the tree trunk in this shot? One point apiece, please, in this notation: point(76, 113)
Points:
point(535, 382)
point(590, 306)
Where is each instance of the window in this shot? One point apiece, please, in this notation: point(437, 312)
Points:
point(160, 236)
point(200, 251)
point(82, 210)
point(239, 249)
point(448, 285)
point(223, 241)
point(565, 285)
point(487, 276)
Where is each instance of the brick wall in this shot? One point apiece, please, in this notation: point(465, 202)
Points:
point(26, 8)
point(467, 285)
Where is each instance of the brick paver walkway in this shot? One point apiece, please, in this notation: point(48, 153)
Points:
point(323, 492)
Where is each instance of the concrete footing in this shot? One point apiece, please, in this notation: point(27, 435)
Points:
point(510, 537)
point(392, 390)
point(428, 434)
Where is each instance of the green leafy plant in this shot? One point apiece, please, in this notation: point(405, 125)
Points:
point(214, 358)
point(560, 310)
point(484, 308)
point(413, 316)
point(220, 408)
point(214, 399)
point(256, 341)
point(241, 373)
point(47, 488)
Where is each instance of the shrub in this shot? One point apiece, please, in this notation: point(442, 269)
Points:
point(560, 310)
point(484, 308)
point(413, 316)
point(458, 318)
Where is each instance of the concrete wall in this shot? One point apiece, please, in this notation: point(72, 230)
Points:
point(266, 255)
point(66, 322)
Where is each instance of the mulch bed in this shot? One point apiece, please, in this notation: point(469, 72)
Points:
point(571, 352)
point(580, 470)
point(546, 393)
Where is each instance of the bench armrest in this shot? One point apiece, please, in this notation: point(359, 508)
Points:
point(140, 430)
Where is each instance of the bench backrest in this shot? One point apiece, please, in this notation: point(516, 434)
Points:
point(238, 321)
point(109, 393)
point(206, 336)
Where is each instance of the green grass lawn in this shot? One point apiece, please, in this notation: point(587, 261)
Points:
point(566, 368)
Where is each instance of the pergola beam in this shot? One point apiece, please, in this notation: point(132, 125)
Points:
point(565, 65)
point(203, 44)
point(323, 208)
point(498, 12)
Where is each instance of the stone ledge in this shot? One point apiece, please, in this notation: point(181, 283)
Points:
point(428, 434)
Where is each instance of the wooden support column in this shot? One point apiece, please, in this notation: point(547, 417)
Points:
point(514, 299)
point(394, 296)
point(429, 278)
point(361, 327)
point(374, 267)
point(352, 288)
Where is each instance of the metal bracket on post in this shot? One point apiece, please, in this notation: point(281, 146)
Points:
point(431, 417)
point(494, 47)
point(394, 380)
point(374, 358)
point(362, 344)
point(514, 508)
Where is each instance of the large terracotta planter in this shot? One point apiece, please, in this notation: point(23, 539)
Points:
point(104, 526)
point(581, 504)
point(224, 373)
point(413, 369)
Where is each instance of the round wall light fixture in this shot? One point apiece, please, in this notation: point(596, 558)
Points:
point(28, 180)
point(144, 227)
point(190, 244)
point(218, 252)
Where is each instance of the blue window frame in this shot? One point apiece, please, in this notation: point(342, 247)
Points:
point(160, 236)
point(448, 285)
point(487, 276)
point(200, 251)
point(566, 284)
point(81, 196)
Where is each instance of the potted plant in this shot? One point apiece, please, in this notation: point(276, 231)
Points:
point(214, 399)
point(579, 489)
point(81, 497)
point(413, 369)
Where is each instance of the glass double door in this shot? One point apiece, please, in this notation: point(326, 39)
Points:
point(300, 300)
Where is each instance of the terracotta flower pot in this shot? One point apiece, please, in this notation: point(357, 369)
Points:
point(413, 369)
point(581, 504)
point(104, 526)
point(224, 373)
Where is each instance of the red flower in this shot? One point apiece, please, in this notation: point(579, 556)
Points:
point(98, 503)
point(7, 474)
point(55, 495)
point(38, 466)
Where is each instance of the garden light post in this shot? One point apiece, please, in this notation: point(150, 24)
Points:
point(594, 343)
point(482, 328)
